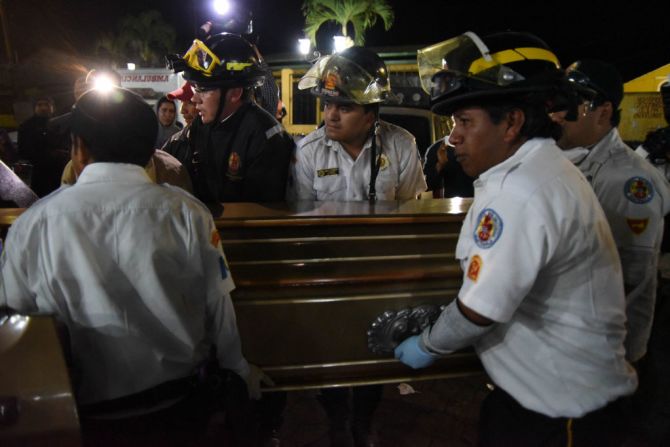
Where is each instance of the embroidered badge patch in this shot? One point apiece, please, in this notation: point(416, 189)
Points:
point(383, 162)
point(474, 268)
point(223, 267)
point(327, 172)
point(215, 239)
point(234, 163)
point(638, 190)
point(637, 226)
point(488, 229)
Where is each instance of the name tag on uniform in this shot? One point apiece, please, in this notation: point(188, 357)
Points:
point(329, 171)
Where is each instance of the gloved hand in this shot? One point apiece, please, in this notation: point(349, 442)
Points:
point(255, 379)
point(411, 354)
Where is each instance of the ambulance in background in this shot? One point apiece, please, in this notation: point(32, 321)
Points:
point(642, 105)
point(152, 83)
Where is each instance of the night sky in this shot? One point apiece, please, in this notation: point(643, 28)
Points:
point(635, 36)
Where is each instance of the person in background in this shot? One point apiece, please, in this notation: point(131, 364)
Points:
point(179, 145)
point(636, 199)
point(34, 146)
point(335, 163)
point(634, 195)
point(444, 174)
point(166, 110)
point(542, 298)
point(355, 155)
point(138, 275)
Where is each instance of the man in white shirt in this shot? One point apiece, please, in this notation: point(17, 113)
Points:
point(335, 161)
point(136, 272)
point(542, 299)
point(634, 195)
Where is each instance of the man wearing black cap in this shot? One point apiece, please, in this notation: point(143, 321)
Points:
point(634, 195)
point(137, 273)
point(542, 298)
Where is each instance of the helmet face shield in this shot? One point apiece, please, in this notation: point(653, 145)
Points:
point(341, 80)
point(223, 60)
point(201, 58)
point(467, 67)
point(467, 56)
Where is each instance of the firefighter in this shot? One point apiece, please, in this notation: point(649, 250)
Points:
point(239, 152)
point(542, 299)
point(355, 155)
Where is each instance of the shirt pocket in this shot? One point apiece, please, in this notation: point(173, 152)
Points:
point(386, 186)
point(330, 187)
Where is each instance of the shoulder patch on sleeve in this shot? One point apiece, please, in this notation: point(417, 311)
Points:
point(489, 229)
point(638, 190)
point(474, 268)
point(637, 226)
point(223, 267)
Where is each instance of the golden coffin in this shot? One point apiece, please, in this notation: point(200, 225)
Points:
point(325, 290)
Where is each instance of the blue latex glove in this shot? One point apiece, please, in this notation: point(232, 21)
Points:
point(411, 354)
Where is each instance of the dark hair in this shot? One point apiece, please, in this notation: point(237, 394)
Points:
point(537, 122)
point(117, 127)
point(163, 100)
point(374, 108)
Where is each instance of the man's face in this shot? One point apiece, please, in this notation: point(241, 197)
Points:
point(478, 142)
point(166, 114)
point(188, 111)
point(347, 123)
point(580, 133)
point(43, 108)
point(206, 103)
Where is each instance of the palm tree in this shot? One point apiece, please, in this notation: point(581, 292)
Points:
point(144, 38)
point(362, 14)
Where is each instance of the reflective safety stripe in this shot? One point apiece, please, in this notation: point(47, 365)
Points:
point(271, 132)
point(515, 55)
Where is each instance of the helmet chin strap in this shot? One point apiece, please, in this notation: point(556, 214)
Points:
point(375, 161)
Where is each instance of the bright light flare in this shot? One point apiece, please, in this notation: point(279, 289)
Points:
point(103, 83)
point(221, 7)
point(342, 43)
point(303, 46)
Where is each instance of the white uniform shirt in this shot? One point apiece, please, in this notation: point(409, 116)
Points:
point(323, 170)
point(635, 196)
point(136, 272)
point(539, 260)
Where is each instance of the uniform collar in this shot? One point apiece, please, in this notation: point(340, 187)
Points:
point(502, 169)
point(336, 146)
point(607, 145)
point(113, 172)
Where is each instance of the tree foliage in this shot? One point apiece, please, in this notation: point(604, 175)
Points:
point(362, 14)
point(143, 39)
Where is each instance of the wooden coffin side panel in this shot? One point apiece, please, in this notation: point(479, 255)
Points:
point(307, 296)
point(38, 406)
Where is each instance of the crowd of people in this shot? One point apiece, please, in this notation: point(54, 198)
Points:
point(559, 249)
